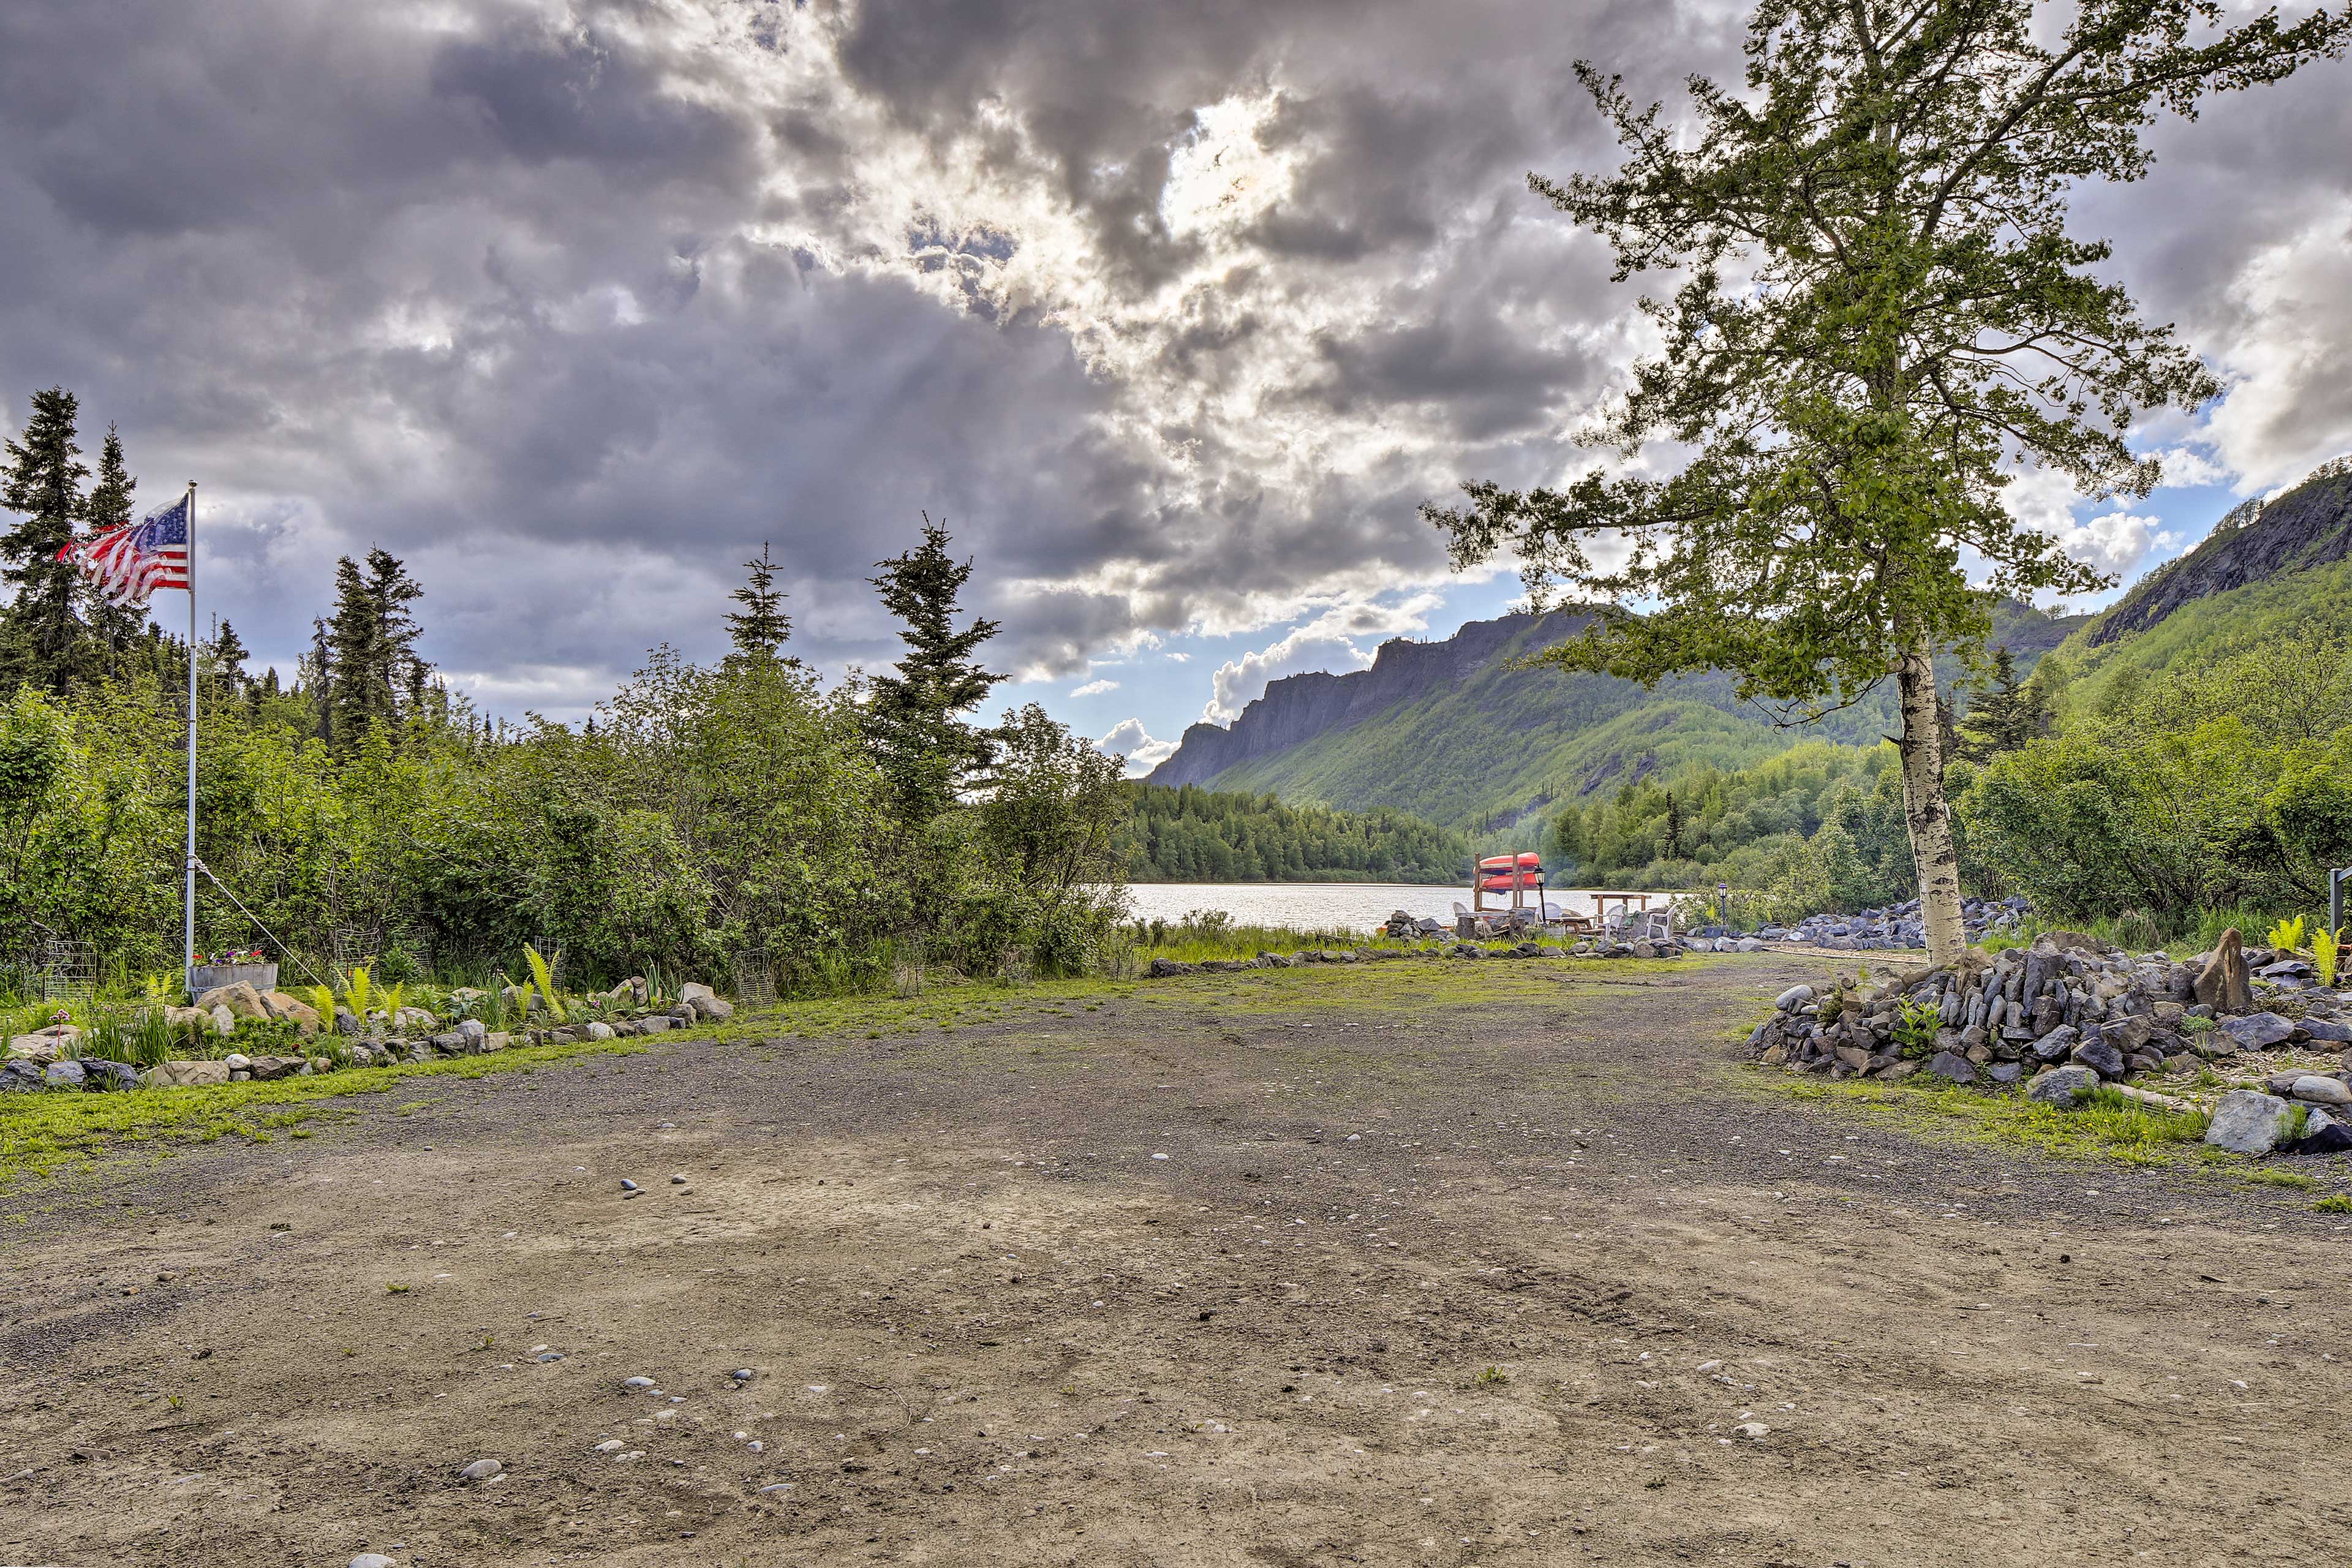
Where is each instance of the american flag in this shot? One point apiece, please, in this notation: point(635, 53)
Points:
point(131, 562)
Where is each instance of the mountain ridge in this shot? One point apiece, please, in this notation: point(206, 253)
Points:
point(1452, 731)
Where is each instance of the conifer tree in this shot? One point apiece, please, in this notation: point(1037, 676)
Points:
point(915, 718)
point(112, 627)
point(1882, 313)
point(368, 647)
point(2008, 712)
point(760, 628)
point(43, 640)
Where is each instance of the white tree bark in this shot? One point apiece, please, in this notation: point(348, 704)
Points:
point(1925, 811)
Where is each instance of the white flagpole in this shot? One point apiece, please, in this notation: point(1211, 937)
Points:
point(188, 933)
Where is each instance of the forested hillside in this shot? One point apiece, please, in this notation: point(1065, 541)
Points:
point(1463, 736)
point(1194, 835)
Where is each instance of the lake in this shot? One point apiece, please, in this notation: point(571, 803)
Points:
point(1350, 906)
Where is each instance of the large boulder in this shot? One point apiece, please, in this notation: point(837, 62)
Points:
point(2226, 985)
point(2247, 1122)
point(2096, 1053)
point(241, 999)
point(1952, 1066)
point(63, 1075)
point(2323, 1133)
point(98, 1073)
point(2062, 1086)
point(283, 1005)
point(1167, 968)
point(2257, 1031)
point(40, 1050)
point(2318, 1089)
point(186, 1073)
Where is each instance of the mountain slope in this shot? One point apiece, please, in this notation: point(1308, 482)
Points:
point(1452, 732)
point(2308, 527)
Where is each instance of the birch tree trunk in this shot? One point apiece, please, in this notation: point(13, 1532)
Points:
point(1925, 811)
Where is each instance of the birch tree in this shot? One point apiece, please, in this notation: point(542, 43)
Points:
point(1880, 317)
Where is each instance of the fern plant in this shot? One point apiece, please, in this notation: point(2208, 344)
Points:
point(2287, 935)
point(543, 975)
point(2326, 945)
point(358, 991)
point(322, 1002)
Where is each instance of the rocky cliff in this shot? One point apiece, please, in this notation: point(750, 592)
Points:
point(1300, 708)
point(2310, 525)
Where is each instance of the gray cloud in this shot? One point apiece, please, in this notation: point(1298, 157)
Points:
point(1174, 311)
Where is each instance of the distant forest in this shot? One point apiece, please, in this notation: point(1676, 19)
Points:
point(1194, 835)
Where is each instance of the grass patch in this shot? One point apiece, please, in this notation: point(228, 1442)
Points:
point(2270, 1178)
point(2104, 1126)
point(40, 1132)
point(2334, 1203)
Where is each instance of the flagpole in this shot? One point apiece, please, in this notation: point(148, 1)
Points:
point(188, 931)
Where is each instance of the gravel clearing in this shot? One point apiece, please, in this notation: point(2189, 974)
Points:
point(1506, 1263)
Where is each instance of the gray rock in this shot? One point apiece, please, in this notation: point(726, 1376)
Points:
point(2054, 1046)
point(2257, 1031)
point(372, 1559)
point(1165, 968)
point(101, 1074)
point(2324, 1134)
point(634, 1384)
point(480, 1470)
point(2005, 1072)
point(598, 1030)
point(1751, 1430)
point(1794, 997)
point(2062, 1086)
point(63, 1075)
point(742, 1375)
point(2318, 1089)
point(1953, 1065)
point(2333, 1031)
point(2247, 1122)
point(475, 1031)
point(2097, 1053)
point(627, 1186)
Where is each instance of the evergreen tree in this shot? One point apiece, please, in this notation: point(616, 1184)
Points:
point(915, 718)
point(112, 627)
point(367, 646)
point(1883, 311)
point(2008, 712)
point(43, 640)
point(761, 627)
point(225, 658)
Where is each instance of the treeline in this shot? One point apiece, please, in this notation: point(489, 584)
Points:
point(710, 820)
point(1194, 835)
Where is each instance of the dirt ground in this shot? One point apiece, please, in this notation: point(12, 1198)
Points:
point(1382, 1266)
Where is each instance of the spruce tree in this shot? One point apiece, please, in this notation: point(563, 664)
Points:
point(369, 653)
point(1882, 312)
point(112, 627)
point(225, 658)
point(915, 718)
point(2008, 712)
point(43, 640)
point(760, 628)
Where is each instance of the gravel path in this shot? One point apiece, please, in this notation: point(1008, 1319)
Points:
point(1387, 1265)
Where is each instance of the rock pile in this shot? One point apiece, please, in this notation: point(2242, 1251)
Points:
point(50, 1060)
point(1897, 926)
point(2069, 1015)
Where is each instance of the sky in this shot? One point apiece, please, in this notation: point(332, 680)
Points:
point(1173, 313)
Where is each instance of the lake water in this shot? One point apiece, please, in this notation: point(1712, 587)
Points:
point(1348, 906)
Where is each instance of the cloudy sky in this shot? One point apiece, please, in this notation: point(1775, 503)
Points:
point(1174, 311)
